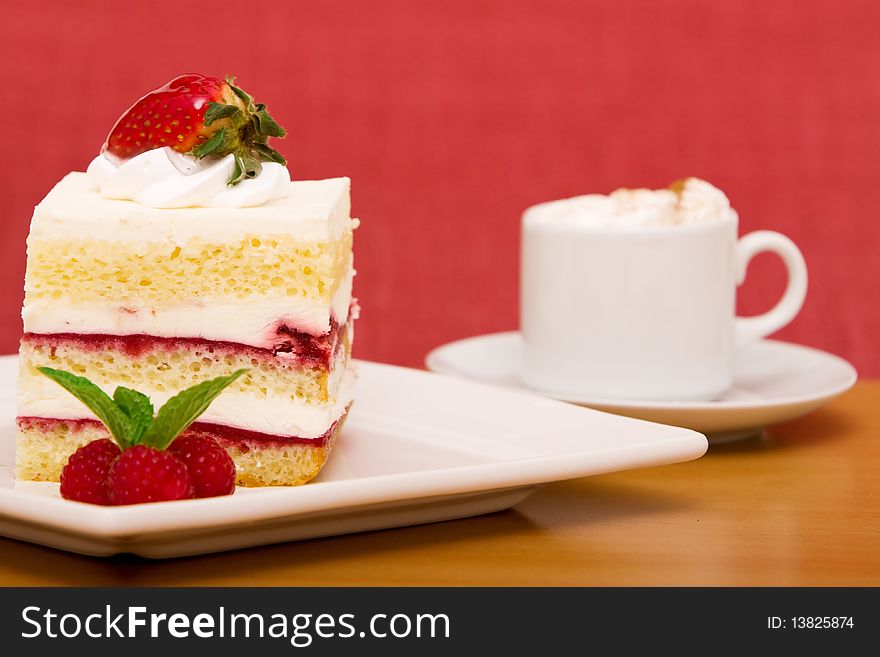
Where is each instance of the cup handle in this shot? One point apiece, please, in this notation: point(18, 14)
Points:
point(749, 329)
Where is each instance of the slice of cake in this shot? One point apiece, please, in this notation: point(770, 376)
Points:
point(159, 270)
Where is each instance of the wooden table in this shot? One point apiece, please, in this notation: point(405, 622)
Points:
point(798, 507)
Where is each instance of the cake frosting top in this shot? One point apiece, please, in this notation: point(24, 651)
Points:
point(196, 141)
point(685, 202)
point(315, 210)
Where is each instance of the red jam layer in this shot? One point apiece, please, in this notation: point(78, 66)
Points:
point(306, 349)
point(227, 436)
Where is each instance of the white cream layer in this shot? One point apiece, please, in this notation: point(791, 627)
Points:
point(310, 210)
point(249, 321)
point(40, 397)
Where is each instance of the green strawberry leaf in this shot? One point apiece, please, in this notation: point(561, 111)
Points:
point(268, 154)
point(139, 409)
point(183, 408)
point(238, 171)
point(266, 125)
point(252, 165)
point(246, 166)
point(218, 142)
point(247, 138)
point(241, 93)
point(217, 111)
point(96, 400)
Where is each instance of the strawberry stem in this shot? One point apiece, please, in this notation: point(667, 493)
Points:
point(245, 135)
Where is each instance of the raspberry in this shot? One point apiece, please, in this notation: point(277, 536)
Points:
point(146, 474)
point(84, 478)
point(210, 467)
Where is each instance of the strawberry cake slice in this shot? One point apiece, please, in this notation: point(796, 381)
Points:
point(186, 252)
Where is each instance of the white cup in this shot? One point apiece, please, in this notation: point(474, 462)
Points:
point(642, 313)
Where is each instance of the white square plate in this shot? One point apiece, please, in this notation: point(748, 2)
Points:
point(417, 447)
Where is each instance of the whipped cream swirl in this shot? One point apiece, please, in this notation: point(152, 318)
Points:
point(164, 178)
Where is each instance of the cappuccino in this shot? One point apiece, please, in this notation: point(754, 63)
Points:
point(632, 295)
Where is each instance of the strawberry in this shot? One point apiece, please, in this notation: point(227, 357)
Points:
point(200, 116)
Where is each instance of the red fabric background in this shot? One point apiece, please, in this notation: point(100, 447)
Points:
point(451, 117)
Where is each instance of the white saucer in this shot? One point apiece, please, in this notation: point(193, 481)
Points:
point(773, 382)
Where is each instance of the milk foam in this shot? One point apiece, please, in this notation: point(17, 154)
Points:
point(686, 202)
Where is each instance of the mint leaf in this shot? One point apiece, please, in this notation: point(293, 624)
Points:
point(217, 111)
point(139, 409)
point(96, 400)
point(129, 414)
point(183, 408)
